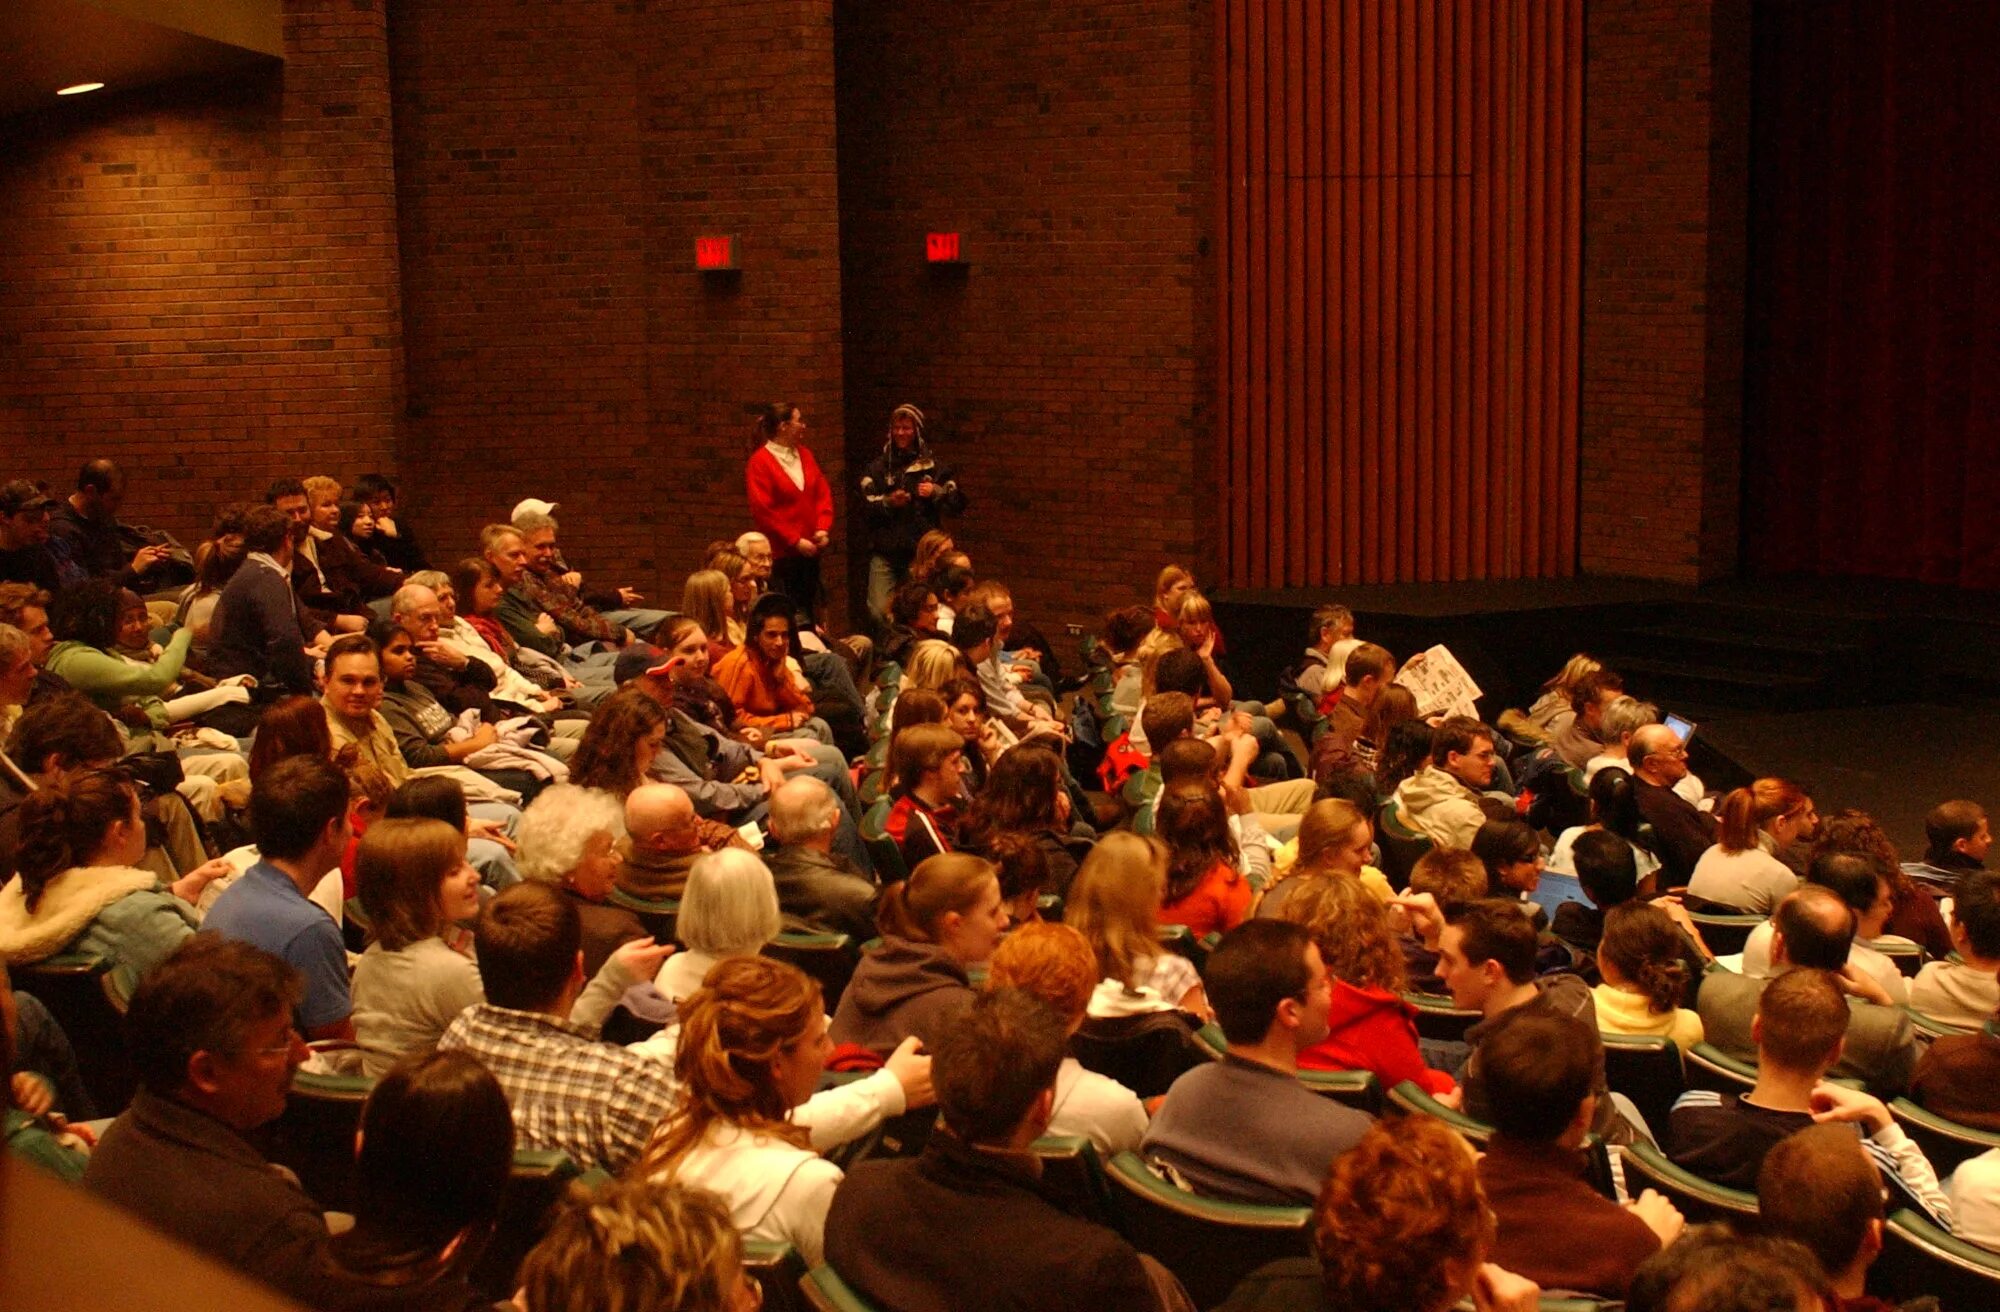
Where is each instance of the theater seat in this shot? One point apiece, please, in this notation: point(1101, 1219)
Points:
point(1945, 1143)
point(1408, 1099)
point(1145, 1053)
point(1646, 1167)
point(536, 1185)
point(1357, 1089)
point(656, 914)
point(1918, 1258)
point(1438, 1018)
point(1210, 1244)
point(1402, 846)
point(1647, 1069)
point(829, 958)
point(78, 991)
point(1725, 932)
point(825, 1291)
point(1073, 1176)
point(315, 1136)
point(1909, 957)
point(777, 1269)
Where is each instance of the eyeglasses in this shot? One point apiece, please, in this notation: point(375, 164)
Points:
point(292, 1039)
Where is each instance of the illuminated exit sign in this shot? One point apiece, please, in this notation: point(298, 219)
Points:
point(943, 248)
point(714, 254)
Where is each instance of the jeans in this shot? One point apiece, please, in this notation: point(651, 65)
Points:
point(884, 575)
point(42, 1047)
point(640, 620)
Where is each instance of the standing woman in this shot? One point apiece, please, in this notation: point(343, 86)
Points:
point(790, 502)
point(907, 493)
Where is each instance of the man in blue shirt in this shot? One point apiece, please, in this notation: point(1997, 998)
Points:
point(298, 813)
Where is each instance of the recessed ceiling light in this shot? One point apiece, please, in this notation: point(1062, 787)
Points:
point(80, 88)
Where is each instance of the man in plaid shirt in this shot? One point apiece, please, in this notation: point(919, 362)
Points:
point(595, 1101)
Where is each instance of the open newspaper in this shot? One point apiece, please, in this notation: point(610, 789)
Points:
point(1440, 684)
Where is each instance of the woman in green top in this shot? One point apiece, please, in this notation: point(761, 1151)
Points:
point(28, 1129)
point(77, 887)
point(104, 650)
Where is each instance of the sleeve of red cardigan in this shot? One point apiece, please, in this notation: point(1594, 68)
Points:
point(822, 493)
point(764, 500)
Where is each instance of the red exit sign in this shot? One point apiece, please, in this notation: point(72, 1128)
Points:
point(942, 248)
point(712, 253)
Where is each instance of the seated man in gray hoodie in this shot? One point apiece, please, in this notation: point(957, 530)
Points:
point(1244, 1128)
point(1441, 801)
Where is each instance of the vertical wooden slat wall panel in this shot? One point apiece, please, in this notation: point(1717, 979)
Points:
point(1400, 266)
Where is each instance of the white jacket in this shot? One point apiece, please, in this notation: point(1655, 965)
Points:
point(776, 1193)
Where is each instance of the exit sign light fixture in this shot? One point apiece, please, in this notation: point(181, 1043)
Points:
point(943, 248)
point(715, 254)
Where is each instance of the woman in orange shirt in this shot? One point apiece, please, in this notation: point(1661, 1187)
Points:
point(1205, 890)
point(767, 695)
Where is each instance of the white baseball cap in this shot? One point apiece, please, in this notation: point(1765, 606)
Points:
point(533, 506)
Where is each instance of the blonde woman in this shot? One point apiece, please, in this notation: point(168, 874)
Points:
point(753, 1043)
point(636, 1244)
point(706, 600)
point(1335, 838)
point(1114, 903)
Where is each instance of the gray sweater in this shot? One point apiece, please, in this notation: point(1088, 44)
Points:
point(1250, 1133)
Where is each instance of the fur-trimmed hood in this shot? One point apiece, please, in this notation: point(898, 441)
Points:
point(68, 904)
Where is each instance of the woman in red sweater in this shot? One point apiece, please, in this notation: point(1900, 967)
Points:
point(1205, 890)
point(791, 502)
point(1371, 1028)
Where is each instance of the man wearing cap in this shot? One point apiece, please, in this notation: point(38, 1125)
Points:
point(608, 617)
point(25, 554)
point(908, 493)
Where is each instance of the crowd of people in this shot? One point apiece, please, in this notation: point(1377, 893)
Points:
point(811, 938)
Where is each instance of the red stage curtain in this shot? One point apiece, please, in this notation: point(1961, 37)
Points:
point(1873, 336)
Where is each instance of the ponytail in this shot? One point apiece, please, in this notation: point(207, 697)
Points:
point(1642, 943)
point(770, 418)
point(952, 881)
point(63, 823)
point(1745, 811)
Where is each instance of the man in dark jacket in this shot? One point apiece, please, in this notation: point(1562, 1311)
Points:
point(25, 553)
point(212, 1038)
point(908, 493)
point(817, 887)
point(260, 627)
point(85, 529)
point(991, 1239)
point(1681, 833)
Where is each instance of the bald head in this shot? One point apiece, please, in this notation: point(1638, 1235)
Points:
point(804, 812)
point(1814, 929)
point(660, 817)
point(1657, 756)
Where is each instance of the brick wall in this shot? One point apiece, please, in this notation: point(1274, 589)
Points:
point(1666, 143)
point(1067, 373)
point(200, 280)
point(552, 179)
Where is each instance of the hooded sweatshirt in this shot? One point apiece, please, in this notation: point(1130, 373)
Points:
point(1437, 805)
point(903, 988)
point(116, 912)
point(1371, 1029)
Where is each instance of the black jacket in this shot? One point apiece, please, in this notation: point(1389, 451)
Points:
point(258, 630)
point(894, 530)
point(990, 1240)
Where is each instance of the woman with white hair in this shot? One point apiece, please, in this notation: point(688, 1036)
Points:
point(569, 837)
point(728, 909)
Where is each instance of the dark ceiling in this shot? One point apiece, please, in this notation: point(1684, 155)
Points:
point(47, 44)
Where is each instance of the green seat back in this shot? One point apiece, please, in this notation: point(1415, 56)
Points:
point(1945, 1143)
point(1918, 1258)
point(1699, 1200)
point(79, 990)
point(1208, 1243)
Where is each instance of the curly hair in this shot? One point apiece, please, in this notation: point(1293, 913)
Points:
point(635, 1245)
point(747, 1011)
point(604, 759)
point(1401, 1224)
point(64, 822)
point(1050, 962)
point(1643, 945)
point(1351, 929)
point(1856, 832)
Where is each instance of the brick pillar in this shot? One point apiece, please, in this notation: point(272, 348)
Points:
point(1666, 141)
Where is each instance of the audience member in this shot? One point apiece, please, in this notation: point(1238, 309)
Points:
point(1682, 833)
point(1819, 1188)
point(1244, 1128)
point(817, 887)
point(636, 1244)
point(1335, 840)
point(663, 838)
point(1814, 930)
point(1607, 870)
point(211, 1038)
point(260, 628)
point(1740, 872)
point(1053, 964)
point(1205, 891)
point(413, 881)
point(1641, 957)
point(85, 532)
point(1025, 794)
point(1115, 905)
point(1913, 909)
point(432, 1157)
point(728, 909)
point(298, 814)
point(925, 764)
point(1400, 1226)
point(753, 1042)
point(77, 888)
point(1864, 886)
point(569, 838)
point(607, 617)
point(1713, 1269)
point(1958, 1078)
point(1441, 801)
point(25, 553)
point(1330, 641)
point(1554, 1228)
point(758, 678)
point(998, 1072)
point(1583, 737)
point(569, 1093)
point(942, 920)
point(1486, 958)
point(1368, 671)
point(1511, 851)
point(790, 502)
point(907, 493)
point(1958, 837)
point(1800, 1026)
point(1369, 1025)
